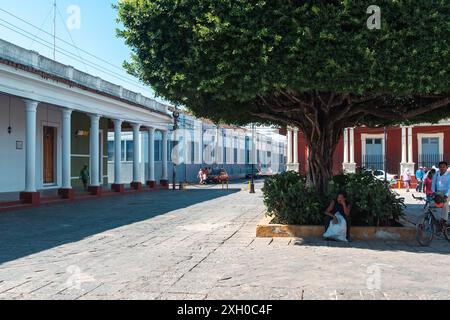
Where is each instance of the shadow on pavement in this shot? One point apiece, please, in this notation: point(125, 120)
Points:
point(438, 246)
point(30, 231)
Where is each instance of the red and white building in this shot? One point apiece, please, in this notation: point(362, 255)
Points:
point(402, 147)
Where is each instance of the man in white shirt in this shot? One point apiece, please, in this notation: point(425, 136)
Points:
point(441, 185)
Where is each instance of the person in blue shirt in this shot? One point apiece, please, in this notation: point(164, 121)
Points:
point(419, 178)
point(441, 185)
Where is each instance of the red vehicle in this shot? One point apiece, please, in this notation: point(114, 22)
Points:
point(217, 176)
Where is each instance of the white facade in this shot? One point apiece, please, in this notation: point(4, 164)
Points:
point(35, 92)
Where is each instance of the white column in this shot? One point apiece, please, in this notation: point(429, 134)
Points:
point(164, 156)
point(151, 154)
point(352, 145)
point(289, 146)
point(30, 145)
point(410, 145)
point(296, 146)
point(346, 142)
point(95, 151)
point(66, 149)
point(118, 152)
point(404, 159)
point(136, 151)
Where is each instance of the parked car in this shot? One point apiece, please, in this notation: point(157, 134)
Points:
point(217, 176)
point(380, 174)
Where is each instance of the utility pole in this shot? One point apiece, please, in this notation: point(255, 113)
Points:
point(176, 116)
point(252, 184)
point(385, 154)
point(54, 30)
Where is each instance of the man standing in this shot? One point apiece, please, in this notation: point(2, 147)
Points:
point(84, 176)
point(419, 178)
point(441, 185)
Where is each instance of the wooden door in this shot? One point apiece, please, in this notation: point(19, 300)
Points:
point(49, 154)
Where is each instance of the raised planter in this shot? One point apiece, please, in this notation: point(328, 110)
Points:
point(265, 229)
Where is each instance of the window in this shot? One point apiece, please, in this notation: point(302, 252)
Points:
point(430, 154)
point(110, 150)
point(158, 150)
point(123, 158)
point(129, 150)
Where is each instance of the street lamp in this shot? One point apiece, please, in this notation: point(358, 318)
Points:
point(176, 116)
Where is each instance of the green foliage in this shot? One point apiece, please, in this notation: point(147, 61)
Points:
point(289, 200)
point(217, 57)
point(373, 201)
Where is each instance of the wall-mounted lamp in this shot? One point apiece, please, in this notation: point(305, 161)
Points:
point(81, 133)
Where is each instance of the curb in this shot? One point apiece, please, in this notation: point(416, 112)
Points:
point(264, 229)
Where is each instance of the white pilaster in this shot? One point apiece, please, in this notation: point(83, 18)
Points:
point(118, 152)
point(95, 151)
point(66, 148)
point(136, 151)
point(349, 164)
point(30, 145)
point(410, 145)
point(295, 146)
point(404, 159)
point(164, 156)
point(352, 145)
point(346, 143)
point(151, 154)
point(289, 147)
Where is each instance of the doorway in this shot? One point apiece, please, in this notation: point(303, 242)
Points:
point(49, 154)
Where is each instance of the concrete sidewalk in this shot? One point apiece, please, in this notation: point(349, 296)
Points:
point(199, 244)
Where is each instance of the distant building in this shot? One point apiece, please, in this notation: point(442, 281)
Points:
point(411, 147)
point(200, 143)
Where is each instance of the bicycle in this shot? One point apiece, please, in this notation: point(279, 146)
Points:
point(428, 226)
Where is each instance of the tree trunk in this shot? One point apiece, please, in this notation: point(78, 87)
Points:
point(320, 161)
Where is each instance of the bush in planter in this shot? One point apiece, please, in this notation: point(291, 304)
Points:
point(374, 203)
point(290, 201)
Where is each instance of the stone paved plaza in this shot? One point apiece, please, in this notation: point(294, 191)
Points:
point(199, 244)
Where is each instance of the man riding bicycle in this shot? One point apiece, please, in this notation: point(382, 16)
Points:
point(441, 185)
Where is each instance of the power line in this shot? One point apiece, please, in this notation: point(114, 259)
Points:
point(62, 40)
point(71, 55)
point(70, 36)
point(39, 30)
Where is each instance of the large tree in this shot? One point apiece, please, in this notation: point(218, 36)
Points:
point(314, 65)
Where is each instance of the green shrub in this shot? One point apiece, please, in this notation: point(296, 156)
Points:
point(373, 201)
point(289, 200)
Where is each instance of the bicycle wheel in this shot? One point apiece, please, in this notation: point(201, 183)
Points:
point(425, 231)
point(447, 233)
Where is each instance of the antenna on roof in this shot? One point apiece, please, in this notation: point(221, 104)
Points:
point(54, 29)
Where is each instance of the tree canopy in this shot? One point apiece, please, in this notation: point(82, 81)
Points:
point(314, 65)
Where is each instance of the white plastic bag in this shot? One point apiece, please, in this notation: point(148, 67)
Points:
point(337, 231)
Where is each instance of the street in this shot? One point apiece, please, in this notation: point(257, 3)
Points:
point(200, 244)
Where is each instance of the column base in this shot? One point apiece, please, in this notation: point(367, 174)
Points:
point(293, 167)
point(349, 167)
point(410, 166)
point(136, 186)
point(164, 184)
point(67, 193)
point(120, 188)
point(95, 190)
point(33, 198)
point(151, 184)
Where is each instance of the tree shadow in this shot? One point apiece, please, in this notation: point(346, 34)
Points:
point(438, 246)
point(30, 231)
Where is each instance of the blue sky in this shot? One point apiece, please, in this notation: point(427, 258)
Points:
point(96, 34)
